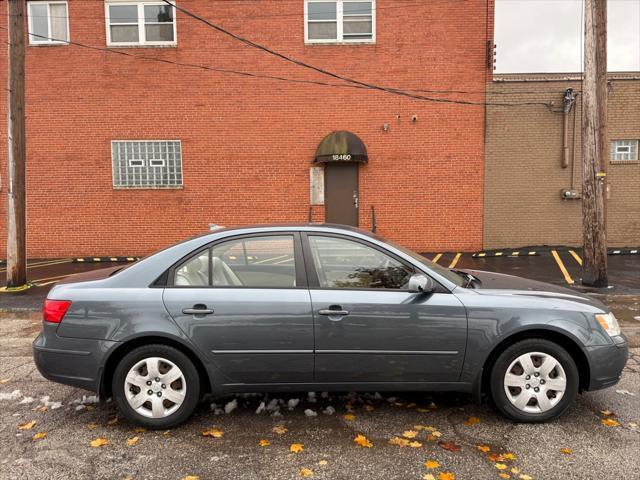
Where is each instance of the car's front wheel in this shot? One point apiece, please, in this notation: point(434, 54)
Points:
point(156, 386)
point(534, 380)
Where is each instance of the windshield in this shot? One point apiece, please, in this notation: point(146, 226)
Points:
point(439, 269)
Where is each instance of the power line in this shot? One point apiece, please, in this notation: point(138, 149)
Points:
point(322, 71)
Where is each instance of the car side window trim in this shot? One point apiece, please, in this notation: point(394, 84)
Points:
point(300, 271)
point(314, 280)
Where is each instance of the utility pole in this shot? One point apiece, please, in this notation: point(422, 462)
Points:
point(595, 149)
point(16, 171)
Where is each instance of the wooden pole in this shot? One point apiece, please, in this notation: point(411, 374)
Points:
point(594, 144)
point(16, 171)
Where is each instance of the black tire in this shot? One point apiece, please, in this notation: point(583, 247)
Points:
point(510, 354)
point(192, 379)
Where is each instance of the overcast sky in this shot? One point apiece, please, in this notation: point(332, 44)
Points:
point(544, 35)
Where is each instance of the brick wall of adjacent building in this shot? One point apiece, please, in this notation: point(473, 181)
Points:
point(248, 144)
point(523, 172)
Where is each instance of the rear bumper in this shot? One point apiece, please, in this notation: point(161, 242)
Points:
point(72, 361)
point(607, 362)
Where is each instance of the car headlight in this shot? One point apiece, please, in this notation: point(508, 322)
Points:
point(609, 322)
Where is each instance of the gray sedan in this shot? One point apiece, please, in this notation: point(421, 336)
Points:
point(320, 307)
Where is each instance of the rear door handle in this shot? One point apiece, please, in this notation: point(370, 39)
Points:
point(198, 310)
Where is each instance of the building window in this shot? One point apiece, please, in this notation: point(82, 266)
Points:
point(48, 23)
point(340, 21)
point(147, 164)
point(624, 151)
point(140, 23)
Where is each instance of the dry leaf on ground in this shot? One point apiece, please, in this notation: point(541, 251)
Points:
point(306, 472)
point(214, 432)
point(132, 441)
point(27, 425)
point(39, 435)
point(92, 426)
point(400, 442)
point(98, 442)
point(504, 475)
point(349, 416)
point(323, 462)
point(501, 466)
point(415, 444)
point(566, 451)
point(508, 456)
point(472, 421)
point(450, 446)
point(362, 441)
point(409, 434)
point(483, 448)
point(296, 448)
point(428, 476)
point(609, 422)
point(432, 464)
point(264, 442)
point(446, 476)
point(280, 429)
point(191, 477)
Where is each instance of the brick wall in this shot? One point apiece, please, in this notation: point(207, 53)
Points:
point(248, 144)
point(523, 169)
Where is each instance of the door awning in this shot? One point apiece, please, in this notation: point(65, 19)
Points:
point(341, 146)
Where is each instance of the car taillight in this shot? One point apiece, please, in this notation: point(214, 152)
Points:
point(54, 310)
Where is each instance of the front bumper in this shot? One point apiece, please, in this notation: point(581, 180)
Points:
point(607, 362)
point(72, 361)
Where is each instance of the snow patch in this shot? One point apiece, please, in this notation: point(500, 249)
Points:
point(310, 413)
point(329, 410)
point(293, 403)
point(231, 406)
point(16, 394)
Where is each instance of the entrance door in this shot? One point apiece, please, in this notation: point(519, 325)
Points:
point(341, 193)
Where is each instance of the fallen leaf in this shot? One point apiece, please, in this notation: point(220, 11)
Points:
point(483, 448)
point(362, 441)
point(140, 430)
point(606, 413)
point(113, 421)
point(349, 416)
point(501, 466)
point(4, 380)
point(296, 448)
point(525, 477)
point(515, 470)
point(41, 409)
point(191, 477)
point(633, 424)
point(132, 441)
point(264, 443)
point(27, 425)
point(422, 410)
point(566, 451)
point(432, 464)
point(409, 434)
point(214, 432)
point(495, 457)
point(504, 475)
point(166, 433)
point(400, 442)
point(369, 408)
point(446, 476)
point(323, 462)
point(92, 426)
point(450, 446)
point(428, 476)
point(39, 435)
point(280, 429)
point(472, 421)
point(508, 456)
point(431, 429)
point(98, 442)
point(415, 444)
point(306, 472)
point(609, 422)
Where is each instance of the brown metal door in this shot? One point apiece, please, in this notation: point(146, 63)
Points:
point(341, 193)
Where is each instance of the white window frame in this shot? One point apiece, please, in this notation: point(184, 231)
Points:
point(146, 164)
point(142, 40)
point(632, 153)
point(45, 41)
point(340, 39)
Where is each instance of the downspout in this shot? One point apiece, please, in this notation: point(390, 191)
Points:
point(568, 101)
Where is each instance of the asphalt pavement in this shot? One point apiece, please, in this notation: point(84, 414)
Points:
point(598, 438)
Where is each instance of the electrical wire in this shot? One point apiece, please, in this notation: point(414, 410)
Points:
point(300, 63)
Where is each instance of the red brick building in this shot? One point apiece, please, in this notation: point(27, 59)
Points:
point(127, 155)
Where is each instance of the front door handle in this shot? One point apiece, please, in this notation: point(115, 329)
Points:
point(198, 310)
point(334, 313)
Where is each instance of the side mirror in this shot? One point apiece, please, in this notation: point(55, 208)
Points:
point(421, 283)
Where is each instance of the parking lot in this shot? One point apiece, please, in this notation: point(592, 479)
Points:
point(47, 430)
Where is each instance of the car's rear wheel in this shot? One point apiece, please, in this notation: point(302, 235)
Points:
point(534, 380)
point(156, 386)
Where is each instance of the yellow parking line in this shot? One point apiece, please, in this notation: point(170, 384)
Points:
point(576, 256)
point(562, 268)
point(42, 263)
point(436, 258)
point(455, 260)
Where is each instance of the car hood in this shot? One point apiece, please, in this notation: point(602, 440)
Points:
point(500, 283)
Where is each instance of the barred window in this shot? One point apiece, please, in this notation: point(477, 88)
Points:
point(147, 163)
point(624, 150)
